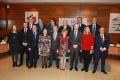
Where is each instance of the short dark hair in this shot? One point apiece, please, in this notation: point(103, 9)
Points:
point(54, 20)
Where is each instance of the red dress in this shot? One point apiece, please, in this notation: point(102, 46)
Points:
point(60, 45)
point(87, 41)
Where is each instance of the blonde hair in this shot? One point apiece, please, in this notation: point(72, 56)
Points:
point(84, 32)
point(64, 31)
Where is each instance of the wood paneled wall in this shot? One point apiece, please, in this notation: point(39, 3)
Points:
point(3, 17)
point(16, 12)
point(2, 11)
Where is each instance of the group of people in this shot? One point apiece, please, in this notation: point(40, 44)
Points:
point(59, 43)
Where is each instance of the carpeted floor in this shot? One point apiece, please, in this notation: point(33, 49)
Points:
point(7, 72)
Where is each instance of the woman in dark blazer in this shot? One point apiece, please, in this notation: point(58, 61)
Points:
point(86, 47)
point(14, 45)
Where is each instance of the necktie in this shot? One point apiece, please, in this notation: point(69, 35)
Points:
point(75, 33)
point(34, 33)
point(94, 29)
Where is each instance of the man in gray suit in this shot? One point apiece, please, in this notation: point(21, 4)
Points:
point(75, 42)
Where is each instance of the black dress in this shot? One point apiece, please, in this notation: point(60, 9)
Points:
point(14, 44)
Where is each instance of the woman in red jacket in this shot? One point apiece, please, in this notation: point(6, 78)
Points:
point(63, 49)
point(86, 47)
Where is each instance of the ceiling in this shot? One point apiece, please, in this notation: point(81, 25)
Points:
point(62, 1)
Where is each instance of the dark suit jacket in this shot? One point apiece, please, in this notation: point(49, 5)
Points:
point(39, 28)
point(28, 25)
point(68, 29)
point(81, 28)
point(55, 43)
point(32, 42)
point(23, 36)
point(73, 41)
point(98, 44)
point(97, 28)
point(50, 30)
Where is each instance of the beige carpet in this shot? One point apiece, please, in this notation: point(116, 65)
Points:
point(7, 72)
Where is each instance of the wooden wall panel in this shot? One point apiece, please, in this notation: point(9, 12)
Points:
point(2, 11)
point(47, 11)
point(2, 17)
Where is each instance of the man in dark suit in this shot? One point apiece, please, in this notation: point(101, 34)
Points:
point(75, 42)
point(94, 27)
point(65, 27)
point(24, 44)
point(81, 29)
point(51, 25)
point(30, 23)
point(54, 46)
point(40, 26)
point(81, 25)
point(33, 47)
point(102, 41)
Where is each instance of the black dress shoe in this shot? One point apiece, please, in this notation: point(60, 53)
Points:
point(104, 72)
point(76, 68)
point(29, 67)
point(86, 70)
point(49, 66)
point(57, 67)
point(42, 66)
point(45, 66)
point(35, 66)
point(71, 68)
point(13, 65)
point(19, 65)
point(83, 69)
point(94, 71)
